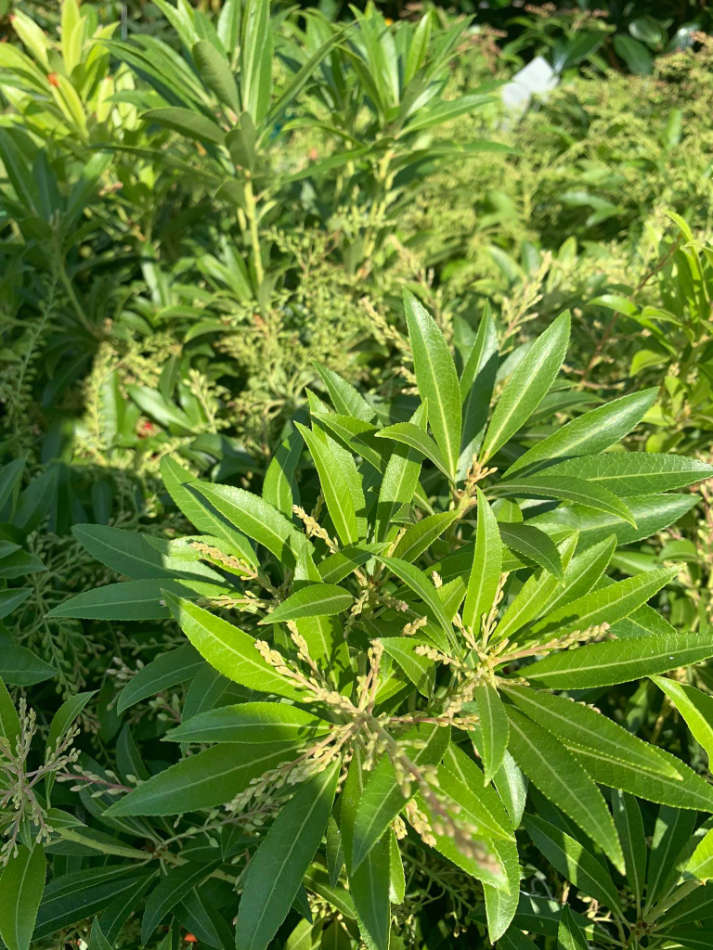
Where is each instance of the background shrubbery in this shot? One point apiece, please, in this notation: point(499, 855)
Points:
point(204, 218)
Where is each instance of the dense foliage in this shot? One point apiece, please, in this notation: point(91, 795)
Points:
point(355, 537)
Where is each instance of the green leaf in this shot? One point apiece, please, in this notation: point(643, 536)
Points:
point(97, 940)
point(170, 891)
point(21, 886)
point(630, 826)
point(254, 517)
point(178, 482)
point(413, 436)
point(672, 843)
point(419, 669)
point(193, 124)
point(420, 536)
point(169, 669)
point(314, 600)
point(567, 488)
point(400, 479)
point(382, 798)
point(228, 649)
point(696, 708)
point(345, 398)
point(9, 720)
point(203, 780)
point(65, 716)
point(570, 935)
point(72, 897)
point(529, 541)
point(476, 387)
point(486, 567)
point(635, 473)
point(652, 513)
point(20, 667)
point(250, 724)
point(701, 862)
point(494, 729)
point(605, 605)
point(532, 598)
point(591, 432)
point(369, 883)
point(276, 869)
point(129, 600)
point(335, 481)
point(612, 755)
point(573, 861)
point(215, 72)
point(256, 58)
point(559, 776)
point(527, 386)
point(421, 586)
point(437, 380)
point(278, 487)
point(620, 661)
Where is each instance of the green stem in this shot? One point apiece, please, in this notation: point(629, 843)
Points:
point(251, 215)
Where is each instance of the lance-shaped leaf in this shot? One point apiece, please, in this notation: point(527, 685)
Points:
point(420, 536)
point(179, 482)
point(486, 567)
point(630, 825)
point(419, 669)
point(412, 436)
point(9, 720)
point(605, 605)
point(21, 886)
point(347, 400)
point(494, 729)
point(559, 776)
point(188, 122)
point(567, 488)
point(420, 585)
point(651, 513)
point(570, 935)
point(167, 670)
point(534, 594)
point(612, 755)
point(215, 72)
point(276, 869)
point(335, 567)
point(620, 661)
point(671, 845)
point(335, 480)
point(701, 862)
point(573, 861)
point(369, 883)
point(314, 600)
point(592, 432)
point(254, 517)
point(250, 724)
point(696, 708)
point(382, 798)
point(635, 473)
point(487, 810)
point(476, 388)
point(527, 386)
point(203, 780)
point(170, 891)
point(278, 487)
point(400, 479)
point(228, 649)
point(437, 380)
point(535, 545)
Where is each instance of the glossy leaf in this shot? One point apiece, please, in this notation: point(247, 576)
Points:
point(22, 883)
point(591, 432)
point(437, 380)
point(620, 661)
point(314, 600)
point(250, 724)
point(527, 386)
point(276, 869)
point(486, 567)
point(559, 776)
